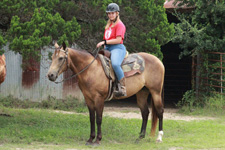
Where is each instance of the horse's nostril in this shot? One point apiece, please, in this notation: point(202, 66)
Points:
point(50, 75)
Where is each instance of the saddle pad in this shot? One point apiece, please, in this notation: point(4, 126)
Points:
point(133, 64)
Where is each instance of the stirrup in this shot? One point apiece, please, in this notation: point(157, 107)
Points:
point(120, 92)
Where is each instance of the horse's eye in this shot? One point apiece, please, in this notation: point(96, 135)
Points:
point(60, 58)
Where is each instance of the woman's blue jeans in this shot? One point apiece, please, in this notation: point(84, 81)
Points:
point(118, 52)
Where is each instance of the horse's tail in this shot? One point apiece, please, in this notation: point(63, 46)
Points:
point(154, 119)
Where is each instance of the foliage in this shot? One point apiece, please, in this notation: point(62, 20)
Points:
point(2, 43)
point(28, 37)
point(202, 29)
point(188, 99)
point(145, 20)
point(23, 9)
point(152, 29)
point(33, 24)
point(69, 103)
point(191, 100)
point(213, 105)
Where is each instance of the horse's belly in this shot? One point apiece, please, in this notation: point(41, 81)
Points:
point(133, 85)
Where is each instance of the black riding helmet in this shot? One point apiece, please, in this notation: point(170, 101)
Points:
point(112, 7)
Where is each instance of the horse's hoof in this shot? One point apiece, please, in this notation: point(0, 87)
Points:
point(158, 141)
point(89, 143)
point(137, 141)
point(96, 144)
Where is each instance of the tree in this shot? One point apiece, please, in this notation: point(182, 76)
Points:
point(28, 37)
point(145, 20)
point(150, 28)
point(2, 43)
point(203, 29)
point(200, 32)
point(33, 24)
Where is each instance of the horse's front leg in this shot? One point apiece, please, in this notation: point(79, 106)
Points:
point(99, 112)
point(92, 122)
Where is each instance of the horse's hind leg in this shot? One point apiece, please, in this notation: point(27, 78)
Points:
point(157, 112)
point(142, 102)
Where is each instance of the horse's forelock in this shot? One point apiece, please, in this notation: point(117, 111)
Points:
point(55, 53)
point(57, 50)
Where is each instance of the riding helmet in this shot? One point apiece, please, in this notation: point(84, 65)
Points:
point(112, 7)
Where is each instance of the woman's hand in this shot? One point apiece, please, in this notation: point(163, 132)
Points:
point(100, 44)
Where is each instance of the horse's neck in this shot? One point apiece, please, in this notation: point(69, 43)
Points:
point(78, 60)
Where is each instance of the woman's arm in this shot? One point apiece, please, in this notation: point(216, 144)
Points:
point(114, 41)
point(110, 42)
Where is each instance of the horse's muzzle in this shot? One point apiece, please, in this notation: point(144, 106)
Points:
point(52, 76)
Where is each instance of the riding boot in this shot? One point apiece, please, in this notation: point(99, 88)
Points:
point(121, 88)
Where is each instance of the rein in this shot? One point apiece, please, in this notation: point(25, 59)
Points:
point(74, 75)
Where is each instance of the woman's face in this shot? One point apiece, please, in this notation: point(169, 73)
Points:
point(112, 15)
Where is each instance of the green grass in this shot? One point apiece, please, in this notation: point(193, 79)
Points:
point(46, 129)
point(213, 106)
point(69, 103)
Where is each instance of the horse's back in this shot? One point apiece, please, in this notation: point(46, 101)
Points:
point(152, 61)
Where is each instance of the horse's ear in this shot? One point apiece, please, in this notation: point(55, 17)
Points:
point(56, 45)
point(64, 45)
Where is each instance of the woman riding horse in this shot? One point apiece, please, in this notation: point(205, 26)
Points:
point(113, 41)
point(94, 85)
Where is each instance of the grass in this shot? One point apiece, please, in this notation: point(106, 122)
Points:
point(45, 129)
point(69, 103)
point(213, 106)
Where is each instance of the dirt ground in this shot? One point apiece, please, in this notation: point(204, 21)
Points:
point(131, 110)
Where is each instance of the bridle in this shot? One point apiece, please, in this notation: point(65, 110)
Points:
point(66, 60)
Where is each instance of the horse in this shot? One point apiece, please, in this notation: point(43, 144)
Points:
point(2, 68)
point(95, 85)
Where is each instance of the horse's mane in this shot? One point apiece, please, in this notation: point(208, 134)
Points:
point(83, 51)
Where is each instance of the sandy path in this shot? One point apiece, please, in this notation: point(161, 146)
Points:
point(134, 112)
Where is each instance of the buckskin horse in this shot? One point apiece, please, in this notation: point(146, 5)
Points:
point(95, 85)
point(2, 68)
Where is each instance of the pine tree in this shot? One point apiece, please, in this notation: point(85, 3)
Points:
point(203, 29)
